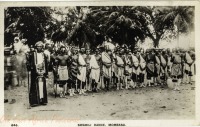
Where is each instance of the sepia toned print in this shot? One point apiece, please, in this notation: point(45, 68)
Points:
point(76, 63)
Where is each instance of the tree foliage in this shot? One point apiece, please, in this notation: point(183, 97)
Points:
point(182, 17)
point(80, 32)
point(93, 25)
point(118, 23)
point(160, 21)
point(153, 25)
point(26, 22)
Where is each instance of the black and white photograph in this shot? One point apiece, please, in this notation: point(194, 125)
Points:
point(73, 63)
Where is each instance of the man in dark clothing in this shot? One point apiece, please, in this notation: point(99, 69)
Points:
point(38, 67)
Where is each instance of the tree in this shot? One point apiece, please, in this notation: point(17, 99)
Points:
point(94, 24)
point(118, 23)
point(160, 21)
point(60, 33)
point(153, 25)
point(26, 22)
point(182, 18)
point(79, 27)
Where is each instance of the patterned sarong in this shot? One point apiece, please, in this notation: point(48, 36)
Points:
point(157, 65)
point(128, 69)
point(176, 70)
point(63, 73)
point(106, 58)
point(73, 70)
point(150, 68)
point(106, 71)
point(163, 64)
point(189, 62)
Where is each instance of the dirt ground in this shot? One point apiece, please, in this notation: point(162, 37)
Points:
point(150, 103)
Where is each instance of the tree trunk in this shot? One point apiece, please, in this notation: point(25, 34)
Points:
point(156, 43)
point(178, 38)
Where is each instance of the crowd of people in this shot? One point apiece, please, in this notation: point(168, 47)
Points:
point(79, 70)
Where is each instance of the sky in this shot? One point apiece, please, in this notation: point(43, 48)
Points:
point(185, 42)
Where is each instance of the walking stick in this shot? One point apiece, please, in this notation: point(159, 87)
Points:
point(56, 89)
point(182, 68)
point(111, 81)
point(101, 85)
point(86, 84)
point(190, 77)
point(56, 79)
point(102, 79)
point(81, 87)
point(27, 65)
point(29, 107)
point(56, 85)
point(76, 86)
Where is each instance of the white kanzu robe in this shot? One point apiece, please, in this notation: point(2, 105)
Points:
point(95, 69)
point(106, 60)
point(142, 65)
point(189, 61)
point(82, 68)
point(136, 63)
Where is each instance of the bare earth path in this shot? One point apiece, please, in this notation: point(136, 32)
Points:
point(150, 103)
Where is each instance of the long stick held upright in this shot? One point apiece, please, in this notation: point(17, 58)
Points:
point(29, 73)
point(28, 89)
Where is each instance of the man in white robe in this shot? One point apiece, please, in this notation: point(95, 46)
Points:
point(157, 68)
point(120, 69)
point(188, 67)
point(135, 69)
point(106, 67)
point(128, 69)
point(95, 70)
point(81, 76)
point(142, 69)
